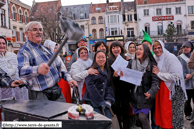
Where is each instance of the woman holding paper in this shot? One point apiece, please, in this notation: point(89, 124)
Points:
point(121, 88)
point(169, 107)
point(142, 97)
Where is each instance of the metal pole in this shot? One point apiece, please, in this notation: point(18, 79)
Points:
point(57, 52)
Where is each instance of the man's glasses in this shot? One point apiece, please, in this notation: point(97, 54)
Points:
point(37, 29)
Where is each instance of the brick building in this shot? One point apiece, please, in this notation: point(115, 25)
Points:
point(5, 29)
point(97, 23)
point(19, 17)
point(47, 14)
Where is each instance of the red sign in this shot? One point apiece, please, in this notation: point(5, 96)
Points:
point(162, 18)
point(8, 39)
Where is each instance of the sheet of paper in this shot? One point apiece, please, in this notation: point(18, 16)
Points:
point(131, 76)
point(119, 63)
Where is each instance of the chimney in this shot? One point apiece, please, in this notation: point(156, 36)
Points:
point(33, 3)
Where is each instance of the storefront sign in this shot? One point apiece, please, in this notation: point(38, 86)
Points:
point(114, 38)
point(16, 45)
point(8, 39)
point(13, 39)
point(94, 41)
point(162, 18)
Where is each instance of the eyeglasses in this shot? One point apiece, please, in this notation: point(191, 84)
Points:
point(37, 29)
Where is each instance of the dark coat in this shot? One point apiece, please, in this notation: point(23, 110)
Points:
point(150, 84)
point(98, 89)
point(121, 88)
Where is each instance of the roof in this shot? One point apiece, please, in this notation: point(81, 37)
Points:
point(127, 6)
point(22, 3)
point(45, 8)
point(97, 8)
point(74, 11)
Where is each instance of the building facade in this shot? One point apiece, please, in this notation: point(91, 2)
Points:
point(5, 29)
point(19, 17)
point(97, 23)
point(80, 15)
point(155, 16)
point(114, 23)
point(129, 21)
point(190, 19)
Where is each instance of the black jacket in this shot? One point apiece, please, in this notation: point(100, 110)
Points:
point(98, 89)
point(150, 84)
point(120, 87)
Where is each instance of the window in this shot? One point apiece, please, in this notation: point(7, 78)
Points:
point(70, 15)
point(26, 17)
point(158, 11)
point(179, 27)
point(82, 15)
point(21, 34)
point(123, 17)
point(147, 28)
point(14, 32)
point(3, 18)
point(113, 31)
point(129, 17)
point(191, 9)
point(145, 1)
point(178, 10)
point(20, 15)
point(101, 33)
point(93, 20)
point(13, 13)
point(192, 24)
point(113, 19)
point(130, 32)
point(98, 9)
point(82, 26)
point(100, 20)
point(94, 35)
point(160, 29)
point(146, 12)
point(168, 10)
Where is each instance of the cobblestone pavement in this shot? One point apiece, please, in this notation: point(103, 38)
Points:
point(187, 124)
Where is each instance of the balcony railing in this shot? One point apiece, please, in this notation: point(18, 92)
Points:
point(2, 3)
point(160, 33)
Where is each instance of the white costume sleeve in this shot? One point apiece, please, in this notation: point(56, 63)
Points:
point(77, 72)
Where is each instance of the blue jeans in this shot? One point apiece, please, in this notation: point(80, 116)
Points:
point(106, 111)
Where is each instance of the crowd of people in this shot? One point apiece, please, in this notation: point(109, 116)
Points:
point(165, 91)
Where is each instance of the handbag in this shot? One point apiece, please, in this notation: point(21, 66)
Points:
point(115, 123)
point(53, 93)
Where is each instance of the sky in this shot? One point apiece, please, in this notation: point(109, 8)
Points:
point(73, 2)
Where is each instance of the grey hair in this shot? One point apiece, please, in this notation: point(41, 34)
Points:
point(32, 23)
